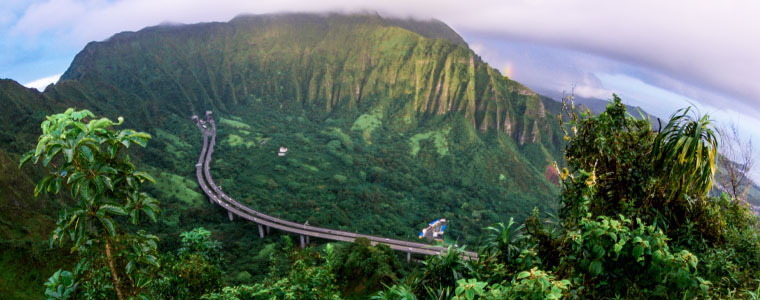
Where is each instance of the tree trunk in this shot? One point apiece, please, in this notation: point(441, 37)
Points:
point(114, 276)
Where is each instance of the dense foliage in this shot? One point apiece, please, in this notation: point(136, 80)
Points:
point(636, 222)
point(633, 236)
point(389, 124)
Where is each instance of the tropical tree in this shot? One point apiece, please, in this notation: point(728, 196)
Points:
point(88, 156)
point(505, 239)
point(685, 151)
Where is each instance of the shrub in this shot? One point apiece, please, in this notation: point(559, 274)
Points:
point(612, 257)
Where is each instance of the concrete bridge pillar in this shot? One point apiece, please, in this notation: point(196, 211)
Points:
point(267, 229)
point(307, 239)
point(303, 244)
point(261, 231)
point(229, 214)
point(408, 256)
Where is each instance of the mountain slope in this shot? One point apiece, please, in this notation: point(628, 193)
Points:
point(360, 69)
point(389, 124)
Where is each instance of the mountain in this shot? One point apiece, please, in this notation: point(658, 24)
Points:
point(390, 124)
point(360, 79)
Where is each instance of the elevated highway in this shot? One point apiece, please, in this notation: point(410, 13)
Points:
point(265, 222)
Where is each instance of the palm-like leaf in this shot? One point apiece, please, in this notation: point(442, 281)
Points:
point(506, 239)
point(685, 151)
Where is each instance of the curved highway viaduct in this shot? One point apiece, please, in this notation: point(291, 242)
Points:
point(265, 222)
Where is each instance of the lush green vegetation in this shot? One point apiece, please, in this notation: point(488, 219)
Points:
point(629, 228)
point(636, 222)
point(404, 126)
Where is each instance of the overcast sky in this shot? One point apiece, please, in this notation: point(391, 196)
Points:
point(660, 55)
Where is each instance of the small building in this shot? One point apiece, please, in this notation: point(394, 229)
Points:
point(434, 230)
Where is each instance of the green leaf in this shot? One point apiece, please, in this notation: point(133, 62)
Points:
point(25, 158)
point(617, 248)
point(101, 123)
point(107, 181)
point(112, 150)
point(87, 153)
point(80, 126)
point(598, 251)
point(74, 177)
point(50, 154)
point(108, 170)
point(113, 209)
point(134, 216)
point(149, 212)
point(595, 268)
point(142, 135)
point(108, 224)
point(469, 294)
point(460, 288)
point(99, 186)
point(42, 185)
point(85, 189)
point(144, 176)
point(41, 144)
point(523, 274)
point(130, 266)
point(139, 141)
point(55, 186)
point(638, 251)
point(69, 154)
point(150, 259)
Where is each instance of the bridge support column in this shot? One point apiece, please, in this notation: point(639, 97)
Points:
point(261, 231)
point(307, 239)
point(408, 256)
point(303, 244)
point(267, 229)
point(210, 200)
point(229, 214)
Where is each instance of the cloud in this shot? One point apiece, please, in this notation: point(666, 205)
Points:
point(587, 91)
point(704, 42)
point(53, 15)
point(42, 83)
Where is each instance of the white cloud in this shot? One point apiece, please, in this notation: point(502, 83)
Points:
point(705, 42)
point(588, 91)
point(42, 83)
point(53, 15)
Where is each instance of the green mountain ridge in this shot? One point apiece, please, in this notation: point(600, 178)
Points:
point(315, 61)
point(390, 124)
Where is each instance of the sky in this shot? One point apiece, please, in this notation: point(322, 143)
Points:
point(659, 55)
